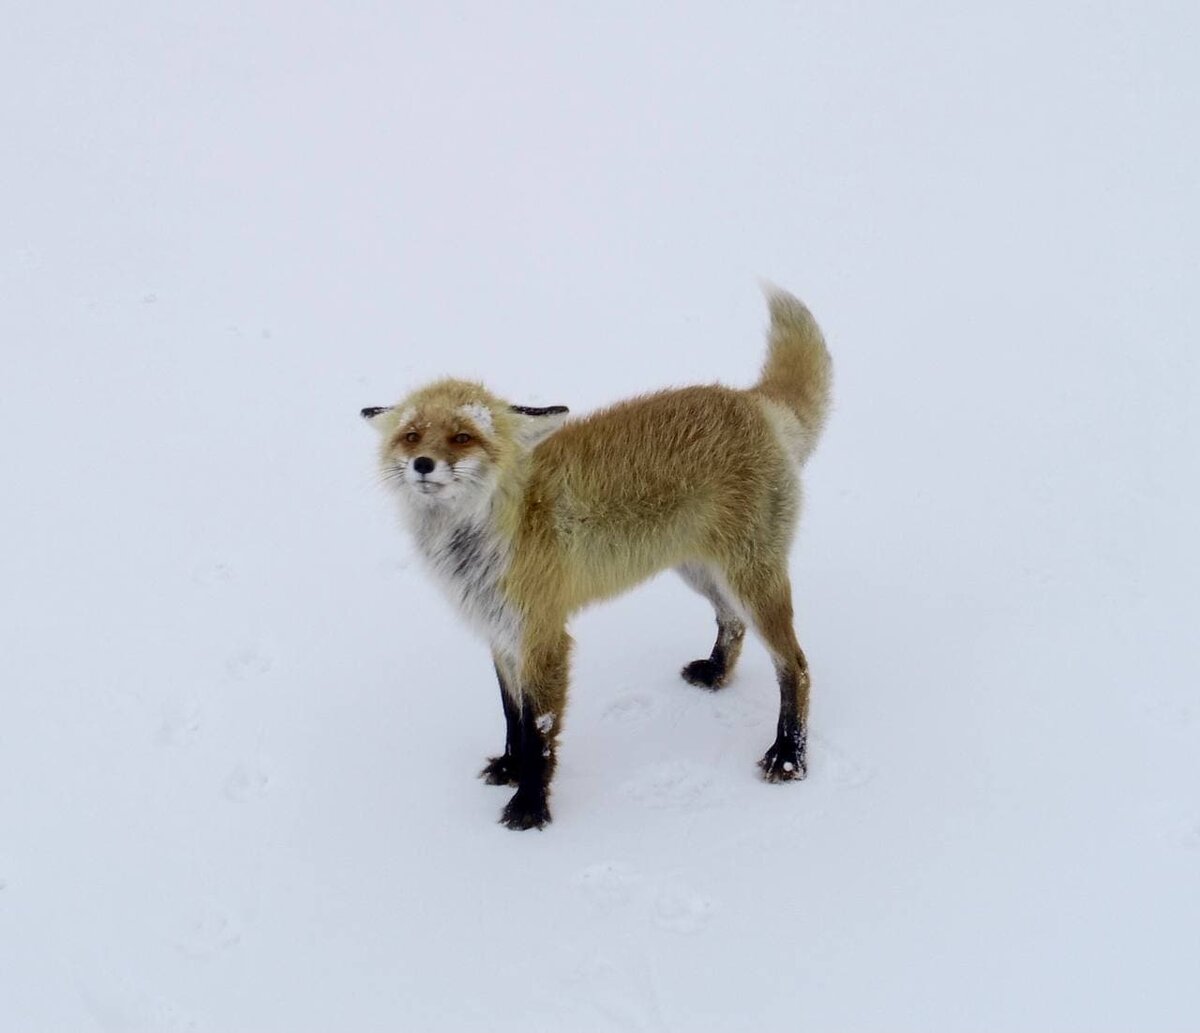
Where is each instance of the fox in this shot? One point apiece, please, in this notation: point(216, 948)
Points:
point(524, 515)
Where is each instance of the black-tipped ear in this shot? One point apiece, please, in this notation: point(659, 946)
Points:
point(546, 410)
point(373, 411)
point(538, 423)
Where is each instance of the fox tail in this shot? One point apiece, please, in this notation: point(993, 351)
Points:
point(798, 373)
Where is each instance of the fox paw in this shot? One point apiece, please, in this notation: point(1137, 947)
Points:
point(784, 762)
point(526, 812)
point(705, 673)
point(501, 771)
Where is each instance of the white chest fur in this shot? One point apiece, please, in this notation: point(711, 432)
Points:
point(469, 561)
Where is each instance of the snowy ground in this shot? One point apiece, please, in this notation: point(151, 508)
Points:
point(240, 730)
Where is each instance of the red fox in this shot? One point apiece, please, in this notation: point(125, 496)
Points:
point(524, 516)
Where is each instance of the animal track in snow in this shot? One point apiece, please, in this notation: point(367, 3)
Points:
point(1186, 834)
point(608, 884)
point(737, 710)
point(246, 781)
point(841, 768)
point(118, 1004)
point(180, 724)
point(620, 994)
point(210, 574)
point(1175, 713)
point(672, 784)
point(209, 933)
point(680, 911)
point(630, 709)
point(249, 662)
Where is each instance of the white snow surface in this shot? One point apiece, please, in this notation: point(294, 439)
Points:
point(240, 728)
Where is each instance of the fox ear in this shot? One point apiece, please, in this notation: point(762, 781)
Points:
point(536, 424)
point(372, 414)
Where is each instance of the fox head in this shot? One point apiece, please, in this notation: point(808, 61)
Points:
point(449, 445)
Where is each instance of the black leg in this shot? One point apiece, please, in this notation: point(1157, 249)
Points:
point(528, 809)
point(505, 769)
point(544, 663)
point(711, 673)
point(787, 760)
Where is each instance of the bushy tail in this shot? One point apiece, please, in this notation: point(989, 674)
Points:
point(798, 373)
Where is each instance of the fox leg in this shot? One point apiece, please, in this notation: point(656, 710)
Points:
point(543, 678)
point(504, 769)
point(767, 596)
point(712, 672)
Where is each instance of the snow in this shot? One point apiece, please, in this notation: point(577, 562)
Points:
point(241, 727)
point(480, 414)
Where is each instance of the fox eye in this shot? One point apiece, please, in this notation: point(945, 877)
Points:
point(412, 437)
point(461, 438)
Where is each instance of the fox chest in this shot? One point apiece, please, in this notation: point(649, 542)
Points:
point(469, 564)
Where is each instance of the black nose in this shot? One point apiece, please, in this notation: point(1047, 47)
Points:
point(423, 465)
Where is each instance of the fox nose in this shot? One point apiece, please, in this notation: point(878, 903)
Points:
point(423, 465)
